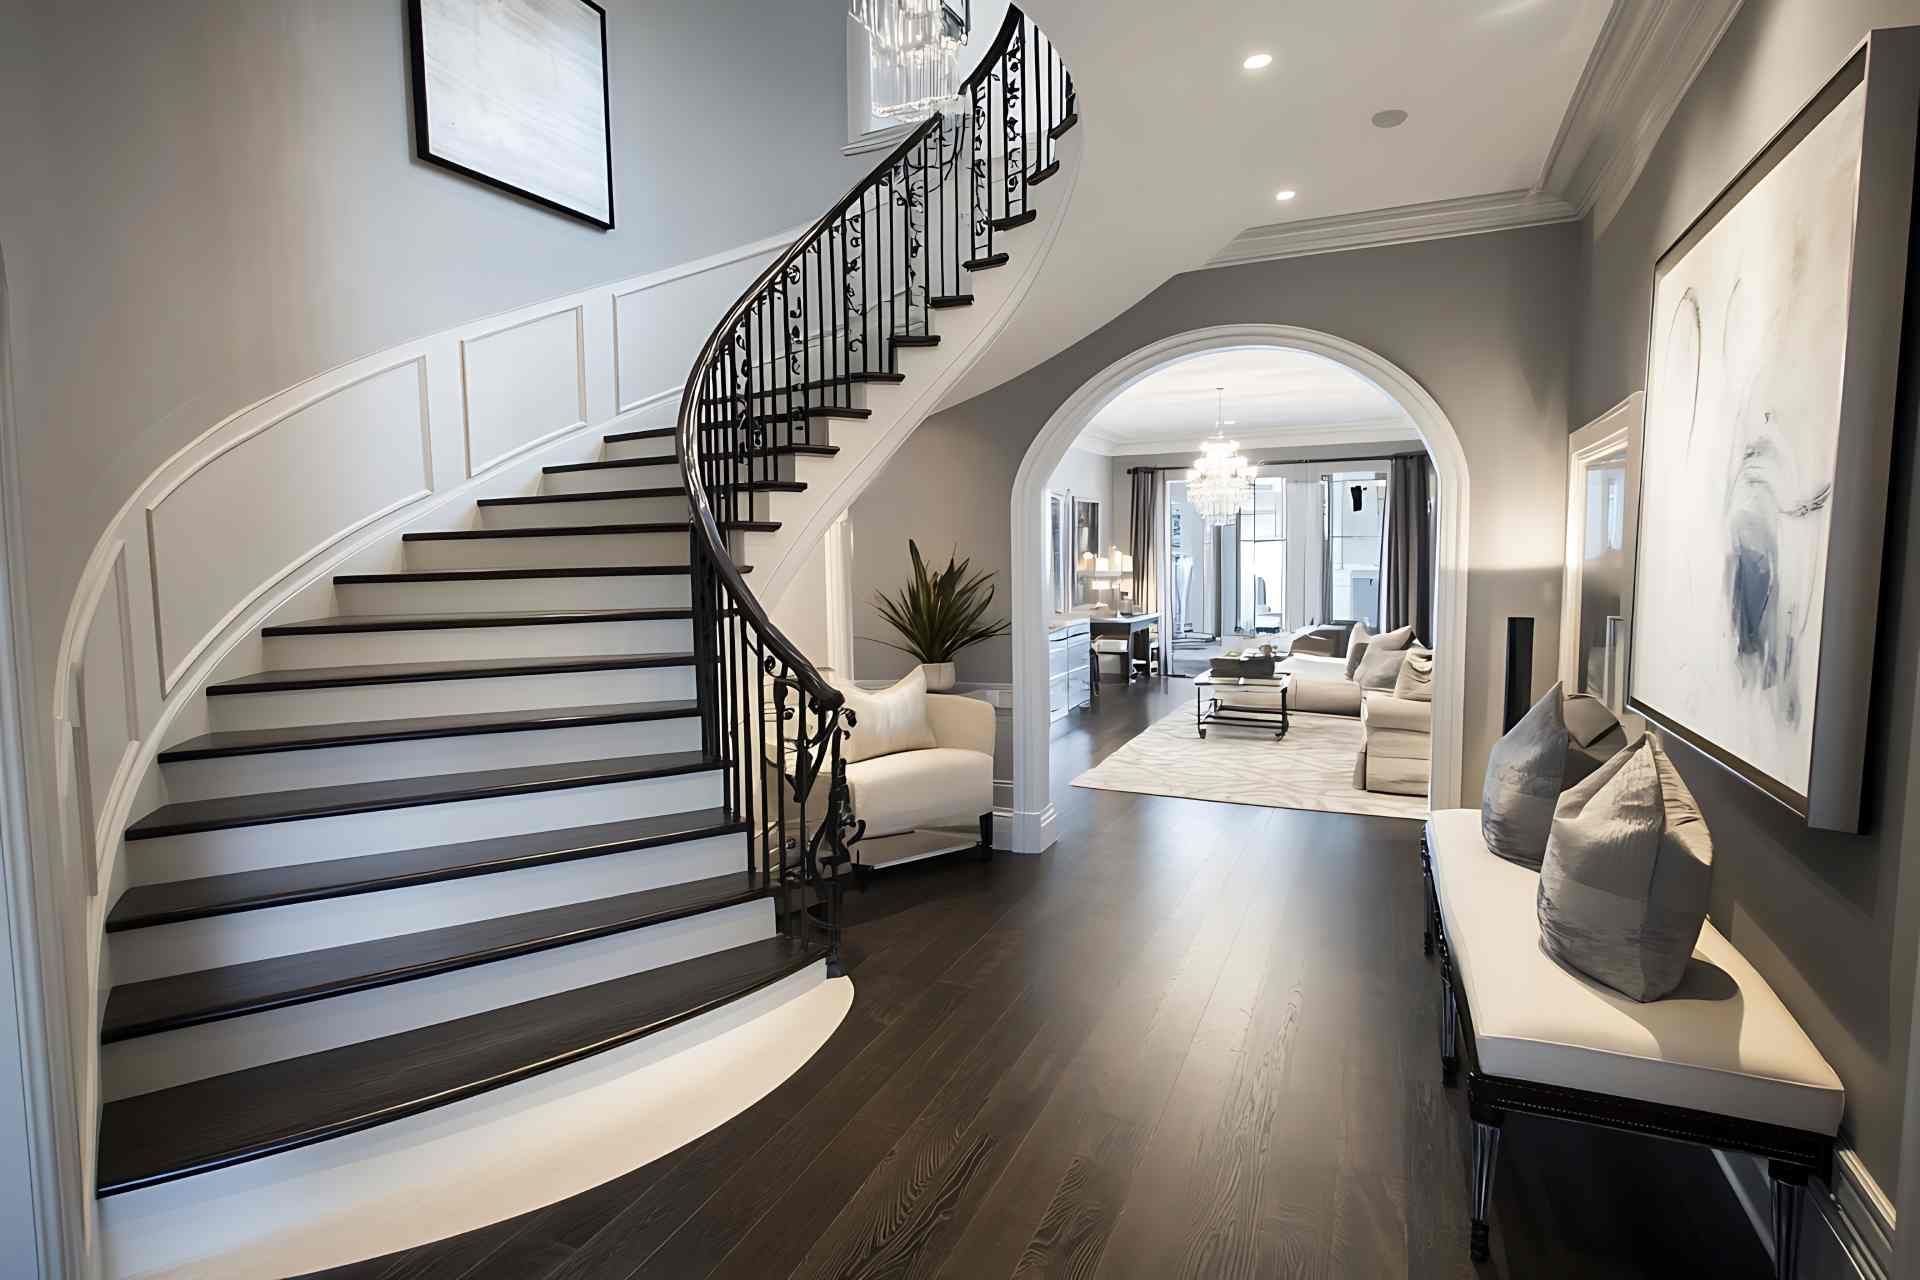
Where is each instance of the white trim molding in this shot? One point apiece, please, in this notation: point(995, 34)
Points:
point(1852, 1207)
point(1620, 425)
point(1033, 816)
point(1378, 431)
point(1647, 57)
point(1433, 220)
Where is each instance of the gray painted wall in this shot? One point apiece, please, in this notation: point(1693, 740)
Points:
point(226, 202)
point(1831, 920)
point(1484, 323)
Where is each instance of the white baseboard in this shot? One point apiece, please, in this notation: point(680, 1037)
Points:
point(1857, 1217)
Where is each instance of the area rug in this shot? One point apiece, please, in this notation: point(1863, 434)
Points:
point(1311, 768)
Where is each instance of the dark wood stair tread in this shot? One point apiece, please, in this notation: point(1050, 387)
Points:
point(1039, 176)
point(213, 995)
point(415, 672)
point(1065, 126)
point(916, 340)
point(300, 1101)
point(224, 813)
point(1011, 221)
point(612, 464)
point(144, 906)
point(547, 531)
point(509, 575)
point(604, 495)
point(987, 263)
point(946, 301)
point(308, 737)
point(354, 623)
point(649, 433)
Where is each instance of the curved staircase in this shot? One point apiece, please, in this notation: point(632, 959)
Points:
point(554, 792)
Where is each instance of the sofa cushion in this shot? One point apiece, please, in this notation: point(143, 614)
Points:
point(1623, 889)
point(1380, 669)
point(1397, 639)
point(936, 787)
point(1722, 1042)
point(1321, 695)
point(1523, 782)
point(1357, 647)
point(1594, 736)
point(1384, 713)
point(887, 720)
point(1415, 681)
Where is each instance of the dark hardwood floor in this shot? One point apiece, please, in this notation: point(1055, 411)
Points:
point(1192, 1040)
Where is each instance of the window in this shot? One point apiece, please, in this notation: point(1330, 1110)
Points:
point(1354, 505)
point(1263, 559)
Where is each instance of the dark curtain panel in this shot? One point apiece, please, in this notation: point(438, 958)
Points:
point(1409, 586)
point(1144, 546)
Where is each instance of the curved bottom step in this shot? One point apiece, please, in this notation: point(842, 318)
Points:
point(474, 1162)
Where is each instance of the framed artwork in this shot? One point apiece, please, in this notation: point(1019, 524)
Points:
point(514, 93)
point(1773, 357)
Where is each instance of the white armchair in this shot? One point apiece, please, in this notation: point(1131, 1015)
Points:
point(937, 800)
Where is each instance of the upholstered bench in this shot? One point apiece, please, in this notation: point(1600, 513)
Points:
point(1720, 1062)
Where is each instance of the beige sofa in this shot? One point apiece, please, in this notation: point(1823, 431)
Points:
point(1320, 685)
point(1396, 745)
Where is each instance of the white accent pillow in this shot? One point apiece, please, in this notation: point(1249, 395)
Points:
point(887, 721)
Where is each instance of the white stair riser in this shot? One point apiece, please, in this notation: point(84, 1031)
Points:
point(169, 1058)
point(534, 515)
point(191, 945)
point(620, 450)
point(559, 551)
point(277, 844)
point(448, 697)
point(423, 758)
point(454, 644)
point(601, 479)
point(510, 595)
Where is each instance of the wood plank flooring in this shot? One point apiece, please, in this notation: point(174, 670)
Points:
point(1193, 1040)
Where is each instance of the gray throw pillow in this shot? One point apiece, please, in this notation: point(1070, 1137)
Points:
point(1357, 647)
point(1415, 681)
point(1623, 889)
point(1398, 638)
point(1523, 781)
point(1594, 736)
point(1380, 668)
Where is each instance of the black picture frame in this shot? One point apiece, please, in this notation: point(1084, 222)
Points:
point(1887, 63)
point(423, 131)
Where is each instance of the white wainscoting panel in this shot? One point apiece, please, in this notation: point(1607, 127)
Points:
point(106, 699)
point(654, 345)
point(524, 384)
point(231, 526)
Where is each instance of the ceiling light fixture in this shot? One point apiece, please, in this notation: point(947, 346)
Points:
point(1220, 484)
point(1285, 195)
point(1392, 118)
point(1258, 62)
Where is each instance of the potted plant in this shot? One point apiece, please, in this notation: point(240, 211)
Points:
point(939, 614)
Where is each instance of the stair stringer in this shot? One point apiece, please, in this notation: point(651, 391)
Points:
point(866, 446)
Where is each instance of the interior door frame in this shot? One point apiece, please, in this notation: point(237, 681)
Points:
point(1621, 425)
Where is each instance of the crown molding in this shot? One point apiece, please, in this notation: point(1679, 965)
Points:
point(1434, 220)
point(1382, 431)
point(1647, 57)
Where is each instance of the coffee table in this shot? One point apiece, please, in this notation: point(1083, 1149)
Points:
point(1241, 700)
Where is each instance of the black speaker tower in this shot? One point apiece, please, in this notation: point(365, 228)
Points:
point(1519, 671)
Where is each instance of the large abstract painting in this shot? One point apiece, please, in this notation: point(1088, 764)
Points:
point(514, 93)
point(1748, 354)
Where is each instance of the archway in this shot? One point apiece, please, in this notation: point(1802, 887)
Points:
point(1033, 818)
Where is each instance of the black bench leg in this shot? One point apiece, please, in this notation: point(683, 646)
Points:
point(1449, 1027)
point(1486, 1156)
point(986, 837)
point(1429, 905)
point(1789, 1202)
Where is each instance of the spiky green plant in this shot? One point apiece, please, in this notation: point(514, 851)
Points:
point(940, 614)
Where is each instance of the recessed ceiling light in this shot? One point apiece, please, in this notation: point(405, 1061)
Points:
point(1284, 196)
point(1258, 62)
point(1389, 119)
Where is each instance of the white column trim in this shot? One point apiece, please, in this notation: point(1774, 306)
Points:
point(837, 551)
point(1033, 810)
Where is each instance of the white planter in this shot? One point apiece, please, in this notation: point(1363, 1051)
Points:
point(939, 675)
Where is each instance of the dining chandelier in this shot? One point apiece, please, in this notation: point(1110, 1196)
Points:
point(1220, 483)
point(914, 55)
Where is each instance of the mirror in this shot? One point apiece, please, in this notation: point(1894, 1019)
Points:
point(1603, 491)
point(1087, 548)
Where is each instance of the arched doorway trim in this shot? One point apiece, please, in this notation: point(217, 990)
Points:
point(1033, 818)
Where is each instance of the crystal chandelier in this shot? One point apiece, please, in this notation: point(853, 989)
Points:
point(1220, 485)
point(914, 56)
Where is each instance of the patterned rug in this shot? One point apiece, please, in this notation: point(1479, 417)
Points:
point(1311, 768)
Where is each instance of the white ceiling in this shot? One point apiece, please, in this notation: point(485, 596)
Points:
point(1273, 398)
point(1180, 149)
